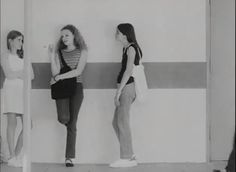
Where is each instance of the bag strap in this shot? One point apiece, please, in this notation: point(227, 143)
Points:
point(128, 47)
point(62, 59)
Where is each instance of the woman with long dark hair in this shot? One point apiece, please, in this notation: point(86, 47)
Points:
point(71, 46)
point(13, 67)
point(125, 94)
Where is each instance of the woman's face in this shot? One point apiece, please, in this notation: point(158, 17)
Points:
point(67, 37)
point(119, 36)
point(17, 43)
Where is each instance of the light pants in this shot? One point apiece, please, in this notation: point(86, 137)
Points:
point(121, 121)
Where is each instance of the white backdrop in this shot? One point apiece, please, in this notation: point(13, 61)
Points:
point(168, 30)
point(171, 127)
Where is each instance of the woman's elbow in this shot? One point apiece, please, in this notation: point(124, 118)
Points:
point(77, 73)
point(55, 72)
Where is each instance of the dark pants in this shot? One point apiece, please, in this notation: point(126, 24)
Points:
point(67, 111)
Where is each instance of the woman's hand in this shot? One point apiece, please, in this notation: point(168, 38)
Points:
point(117, 98)
point(52, 81)
point(57, 78)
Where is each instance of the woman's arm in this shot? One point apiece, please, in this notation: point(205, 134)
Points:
point(79, 69)
point(9, 74)
point(128, 72)
point(32, 72)
point(55, 63)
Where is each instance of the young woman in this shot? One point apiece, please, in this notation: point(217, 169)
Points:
point(125, 94)
point(73, 49)
point(13, 66)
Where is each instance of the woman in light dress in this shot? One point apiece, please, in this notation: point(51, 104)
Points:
point(13, 67)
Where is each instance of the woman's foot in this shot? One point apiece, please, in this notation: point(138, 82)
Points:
point(220, 170)
point(69, 162)
point(125, 163)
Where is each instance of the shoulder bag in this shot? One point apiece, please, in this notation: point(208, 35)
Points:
point(63, 88)
point(140, 81)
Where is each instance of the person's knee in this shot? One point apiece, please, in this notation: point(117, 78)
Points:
point(71, 128)
point(63, 120)
point(122, 112)
point(122, 122)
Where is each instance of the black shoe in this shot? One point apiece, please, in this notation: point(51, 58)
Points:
point(69, 163)
point(217, 171)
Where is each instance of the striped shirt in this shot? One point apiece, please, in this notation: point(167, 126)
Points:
point(72, 59)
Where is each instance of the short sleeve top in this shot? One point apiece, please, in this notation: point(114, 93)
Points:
point(72, 59)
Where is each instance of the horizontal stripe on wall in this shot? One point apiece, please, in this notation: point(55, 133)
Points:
point(159, 75)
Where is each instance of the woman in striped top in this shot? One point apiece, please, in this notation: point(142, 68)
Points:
point(72, 47)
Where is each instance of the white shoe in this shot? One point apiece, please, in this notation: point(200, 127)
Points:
point(15, 162)
point(19, 160)
point(11, 161)
point(124, 163)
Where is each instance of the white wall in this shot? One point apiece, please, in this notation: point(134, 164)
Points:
point(171, 126)
point(168, 30)
point(222, 81)
point(12, 17)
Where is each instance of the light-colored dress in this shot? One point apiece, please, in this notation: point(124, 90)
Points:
point(13, 88)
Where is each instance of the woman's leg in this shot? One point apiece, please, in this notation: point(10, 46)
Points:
point(123, 117)
point(63, 113)
point(11, 129)
point(75, 104)
point(19, 143)
point(115, 124)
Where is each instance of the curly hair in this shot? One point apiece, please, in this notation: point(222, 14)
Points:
point(11, 36)
point(78, 39)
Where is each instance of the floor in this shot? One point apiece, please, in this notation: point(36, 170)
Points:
point(160, 167)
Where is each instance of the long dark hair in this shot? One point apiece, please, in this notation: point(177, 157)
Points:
point(127, 29)
point(78, 39)
point(11, 36)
